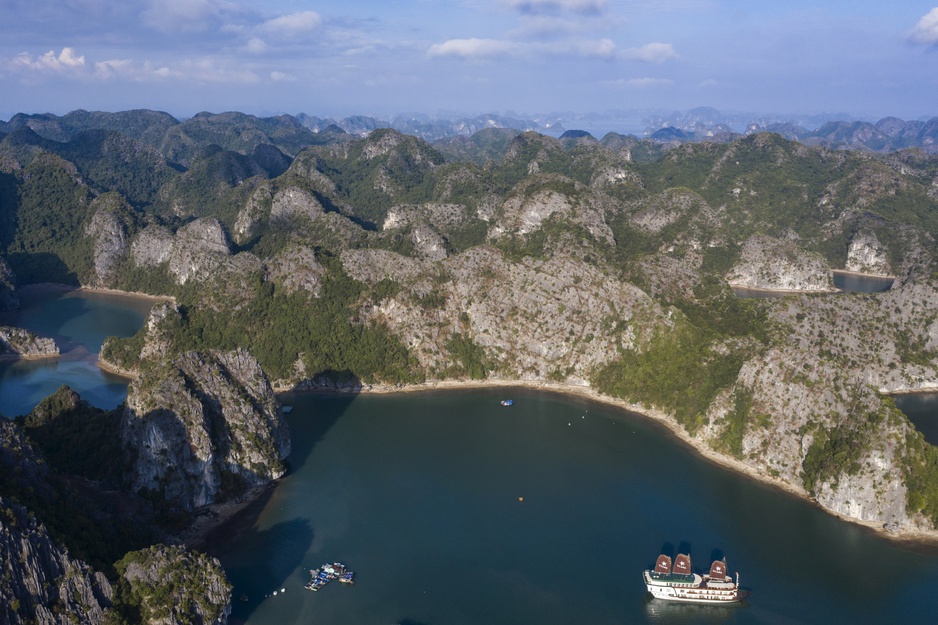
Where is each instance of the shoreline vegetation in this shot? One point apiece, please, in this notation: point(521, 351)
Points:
point(209, 519)
point(910, 538)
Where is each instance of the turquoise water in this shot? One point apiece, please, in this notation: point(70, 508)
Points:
point(420, 494)
point(858, 283)
point(922, 410)
point(79, 321)
point(847, 282)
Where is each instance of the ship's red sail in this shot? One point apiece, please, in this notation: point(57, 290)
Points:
point(682, 564)
point(718, 569)
point(663, 565)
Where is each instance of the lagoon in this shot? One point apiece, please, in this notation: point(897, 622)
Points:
point(79, 321)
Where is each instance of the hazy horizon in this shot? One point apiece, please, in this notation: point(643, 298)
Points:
point(334, 59)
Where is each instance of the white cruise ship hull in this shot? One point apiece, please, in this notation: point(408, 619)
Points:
point(697, 591)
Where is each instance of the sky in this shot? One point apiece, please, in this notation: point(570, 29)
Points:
point(867, 59)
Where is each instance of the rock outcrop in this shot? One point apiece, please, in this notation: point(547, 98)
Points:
point(175, 586)
point(535, 320)
point(202, 428)
point(109, 231)
point(42, 584)
point(296, 269)
point(20, 343)
point(807, 408)
point(867, 255)
point(9, 299)
point(780, 265)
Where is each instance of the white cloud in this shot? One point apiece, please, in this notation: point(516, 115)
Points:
point(65, 61)
point(649, 82)
point(115, 68)
point(710, 82)
point(292, 24)
point(277, 76)
point(474, 48)
point(604, 48)
point(926, 30)
point(489, 48)
point(638, 83)
point(68, 63)
point(256, 45)
point(181, 15)
point(535, 7)
point(652, 53)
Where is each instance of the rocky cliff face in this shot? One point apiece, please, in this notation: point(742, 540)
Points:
point(203, 427)
point(539, 197)
point(296, 269)
point(109, 231)
point(41, 583)
point(780, 265)
point(867, 255)
point(175, 586)
point(20, 343)
point(9, 299)
point(806, 408)
point(535, 320)
point(200, 252)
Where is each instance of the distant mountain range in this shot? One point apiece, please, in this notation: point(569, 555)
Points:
point(241, 132)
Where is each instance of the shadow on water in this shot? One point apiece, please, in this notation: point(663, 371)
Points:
point(278, 551)
point(308, 428)
point(292, 539)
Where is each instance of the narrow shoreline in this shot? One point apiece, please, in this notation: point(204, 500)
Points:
point(217, 515)
point(16, 357)
point(847, 272)
point(734, 286)
point(908, 537)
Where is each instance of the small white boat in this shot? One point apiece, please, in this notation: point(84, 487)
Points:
point(507, 402)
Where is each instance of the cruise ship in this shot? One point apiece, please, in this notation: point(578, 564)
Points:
point(680, 583)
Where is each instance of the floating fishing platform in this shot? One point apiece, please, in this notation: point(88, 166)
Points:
point(328, 572)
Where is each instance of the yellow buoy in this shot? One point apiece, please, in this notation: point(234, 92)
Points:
point(520, 498)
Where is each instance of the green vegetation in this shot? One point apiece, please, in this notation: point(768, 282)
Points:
point(838, 451)
point(43, 231)
point(280, 327)
point(737, 420)
point(472, 360)
point(921, 476)
point(678, 371)
point(162, 583)
point(77, 438)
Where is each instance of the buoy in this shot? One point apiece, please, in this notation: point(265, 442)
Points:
point(283, 590)
point(520, 498)
point(275, 593)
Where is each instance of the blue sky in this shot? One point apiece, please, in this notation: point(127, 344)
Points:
point(864, 58)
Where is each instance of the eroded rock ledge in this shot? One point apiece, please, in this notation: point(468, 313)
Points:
point(20, 343)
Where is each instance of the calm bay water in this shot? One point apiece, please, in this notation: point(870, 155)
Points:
point(922, 410)
point(79, 321)
point(452, 509)
point(420, 494)
point(845, 281)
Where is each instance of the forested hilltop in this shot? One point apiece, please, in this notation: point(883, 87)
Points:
point(345, 262)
